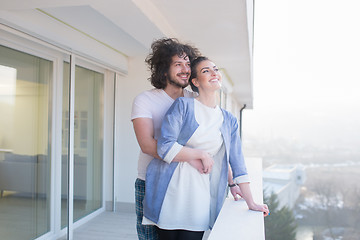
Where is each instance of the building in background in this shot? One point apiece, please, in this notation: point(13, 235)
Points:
point(285, 181)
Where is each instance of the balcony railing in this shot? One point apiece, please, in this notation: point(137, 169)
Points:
point(236, 221)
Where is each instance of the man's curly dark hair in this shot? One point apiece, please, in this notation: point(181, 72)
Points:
point(161, 56)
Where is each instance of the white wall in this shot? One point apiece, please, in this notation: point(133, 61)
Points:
point(127, 149)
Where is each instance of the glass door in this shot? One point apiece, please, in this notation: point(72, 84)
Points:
point(34, 139)
point(88, 141)
point(25, 83)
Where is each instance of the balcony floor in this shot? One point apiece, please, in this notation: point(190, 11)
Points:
point(108, 226)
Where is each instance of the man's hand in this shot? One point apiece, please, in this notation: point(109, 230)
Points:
point(207, 162)
point(197, 158)
point(197, 164)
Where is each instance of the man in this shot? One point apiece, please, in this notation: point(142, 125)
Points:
point(169, 63)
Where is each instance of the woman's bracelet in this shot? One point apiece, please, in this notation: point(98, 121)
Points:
point(232, 185)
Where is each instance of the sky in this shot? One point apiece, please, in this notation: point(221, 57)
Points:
point(306, 72)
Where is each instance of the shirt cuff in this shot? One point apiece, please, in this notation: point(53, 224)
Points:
point(174, 150)
point(242, 179)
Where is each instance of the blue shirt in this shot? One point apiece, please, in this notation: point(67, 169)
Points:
point(178, 126)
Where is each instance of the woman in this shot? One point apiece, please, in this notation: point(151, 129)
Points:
point(179, 199)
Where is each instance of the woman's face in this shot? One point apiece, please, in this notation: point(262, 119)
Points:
point(208, 77)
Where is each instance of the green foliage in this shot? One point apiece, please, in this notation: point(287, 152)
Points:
point(280, 225)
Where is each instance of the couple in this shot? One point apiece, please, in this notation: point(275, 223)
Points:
point(190, 148)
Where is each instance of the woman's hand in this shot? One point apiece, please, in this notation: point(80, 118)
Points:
point(236, 192)
point(260, 208)
point(246, 194)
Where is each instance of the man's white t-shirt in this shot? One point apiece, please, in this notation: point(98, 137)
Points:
point(152, 104)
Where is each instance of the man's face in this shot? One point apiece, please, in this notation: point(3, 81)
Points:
point(179, 71)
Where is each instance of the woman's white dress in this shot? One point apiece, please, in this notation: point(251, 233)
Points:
point(190, 199)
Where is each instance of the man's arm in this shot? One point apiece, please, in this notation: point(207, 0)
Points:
point(197, 158)
point(144, 131)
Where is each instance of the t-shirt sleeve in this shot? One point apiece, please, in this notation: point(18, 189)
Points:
point(140, 107)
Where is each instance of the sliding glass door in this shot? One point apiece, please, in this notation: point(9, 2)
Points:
point(25, 130)
point(33, 135)
point(88, 141)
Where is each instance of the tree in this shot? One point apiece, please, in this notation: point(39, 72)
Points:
point(280, 225)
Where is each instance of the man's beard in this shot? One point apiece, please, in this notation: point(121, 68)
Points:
point(177, 84)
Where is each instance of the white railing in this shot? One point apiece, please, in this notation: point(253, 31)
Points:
point(235, 220)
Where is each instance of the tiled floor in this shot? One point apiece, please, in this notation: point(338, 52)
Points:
point(108, 226)
point(120, 225)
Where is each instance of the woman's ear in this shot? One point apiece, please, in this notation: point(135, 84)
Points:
point(195, 82)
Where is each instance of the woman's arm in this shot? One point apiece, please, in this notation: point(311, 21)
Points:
point(245, 189)
point(234, 188)
point(238, 166)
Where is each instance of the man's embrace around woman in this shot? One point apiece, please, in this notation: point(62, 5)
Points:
point(190, 160)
